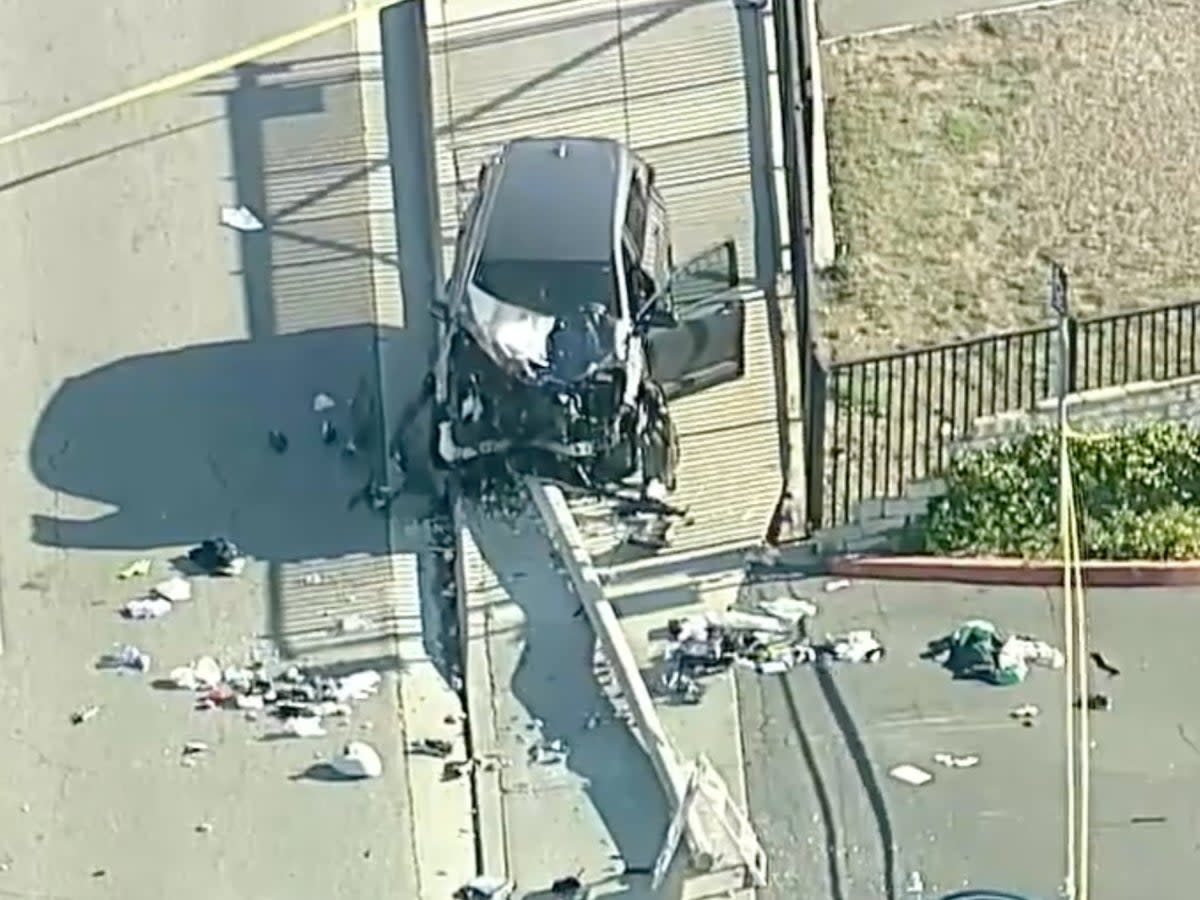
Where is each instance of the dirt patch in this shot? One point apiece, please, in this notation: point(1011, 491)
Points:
point(958, 154)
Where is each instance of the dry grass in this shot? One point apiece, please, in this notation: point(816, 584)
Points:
point(957, 155)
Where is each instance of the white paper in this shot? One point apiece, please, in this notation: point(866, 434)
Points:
point(323, 402)
point(240, 218)
point(305, 726)
point(175, 589)
point(911, 774)
point(148, 608)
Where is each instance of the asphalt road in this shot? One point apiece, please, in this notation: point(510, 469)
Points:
point(820, 744)
point(819, 749)
point(146, 353)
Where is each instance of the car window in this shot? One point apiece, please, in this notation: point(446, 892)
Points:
point(559, 288)
point(635, 211)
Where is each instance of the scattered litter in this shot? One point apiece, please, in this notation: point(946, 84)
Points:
point(353, 623)
point(277, 441)
point(204, 827)
point(486, 887)
point(1100, 702)
point(914, 884)
point(203, 674)
point(358, 760)
point(251, 702)
point(192, 748)
point(357, 685)
point(239, 218)
point(950, 761)
point(128, 657)
point(217, 556)
point(432, 747)
point(549, 752)
point(136, 569)
point(977, 650)
point(174, 589)
point(911, 774)
point(857, 646)
point(839, 584)
point(85, 714)
point(147, 608)
point(1103, 664)
point(322, 403)
point(1026, 713)
point(305, 726)
point(789, 609)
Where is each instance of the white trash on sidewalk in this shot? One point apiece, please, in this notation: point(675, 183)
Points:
point(175, 589)
point(239, 218)
point(147, 608)
point(358, 760)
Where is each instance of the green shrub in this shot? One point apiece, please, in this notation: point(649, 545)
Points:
point(1138, 491)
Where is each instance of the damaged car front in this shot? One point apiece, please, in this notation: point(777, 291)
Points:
point(541, 358)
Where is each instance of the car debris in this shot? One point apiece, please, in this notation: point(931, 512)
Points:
point(147, 608)
point(486, 887)
point(217, 556)
point(175, 590)
point(136, 569)
point(84, 714)
point(950, 761)
point(240, 218)
point(978, 650)
point(565, 340)
point(126, 657)
point(358, 760)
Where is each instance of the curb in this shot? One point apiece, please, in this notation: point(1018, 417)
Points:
point(1018, 572)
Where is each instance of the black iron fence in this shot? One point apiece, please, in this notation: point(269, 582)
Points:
point(878, 424)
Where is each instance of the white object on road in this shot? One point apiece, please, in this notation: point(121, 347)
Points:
point(911, 774)
point(175, 589)
point(353, 623)
point(148, 608)
point(135, 569)
point(130, 657)
point(357, 686)
point(789, 609)
point(203, 674)
point(359, 760)
point(239, 218)
point(250, 701)
point(915, 884)
point(323, 402)
point(1025, 711)
point(304, 726)
point(950, 761)
point(837, 585)
point(488, 887)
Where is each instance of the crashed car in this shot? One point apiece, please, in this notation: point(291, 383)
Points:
point(567, 328)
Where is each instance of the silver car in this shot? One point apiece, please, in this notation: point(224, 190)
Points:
point(568, 327)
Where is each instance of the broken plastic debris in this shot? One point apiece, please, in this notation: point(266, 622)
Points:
point(84, 714)
point(304, 726)
point(175, 589)
point(239, 218)
point(323, 402)
point(911, 774)
point(357, 685)
point(837, 585)
point(1026, 711)
point(358, 760)
point(486, 887)
point(136, 569)
point(147, 608)
point(130, 657)
point(203, 674)
point(950, 761)
point(914, 884)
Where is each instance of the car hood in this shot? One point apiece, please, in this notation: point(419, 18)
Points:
point(539, 348)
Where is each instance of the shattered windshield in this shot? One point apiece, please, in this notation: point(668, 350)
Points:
point(559, 289)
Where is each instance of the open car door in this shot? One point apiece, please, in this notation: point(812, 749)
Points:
point(697, 324)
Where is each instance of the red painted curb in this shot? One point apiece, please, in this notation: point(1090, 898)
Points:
point(1014, 571)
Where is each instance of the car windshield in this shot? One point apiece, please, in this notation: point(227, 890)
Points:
point(559, 289)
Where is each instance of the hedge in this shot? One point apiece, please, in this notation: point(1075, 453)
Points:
point(1138, 490)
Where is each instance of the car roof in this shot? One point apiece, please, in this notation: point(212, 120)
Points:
point(555, 200)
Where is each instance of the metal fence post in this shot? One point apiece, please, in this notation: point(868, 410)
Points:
point(1075, 363)
point(814, 449)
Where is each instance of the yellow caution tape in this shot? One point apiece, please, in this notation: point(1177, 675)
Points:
point(200, 72)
